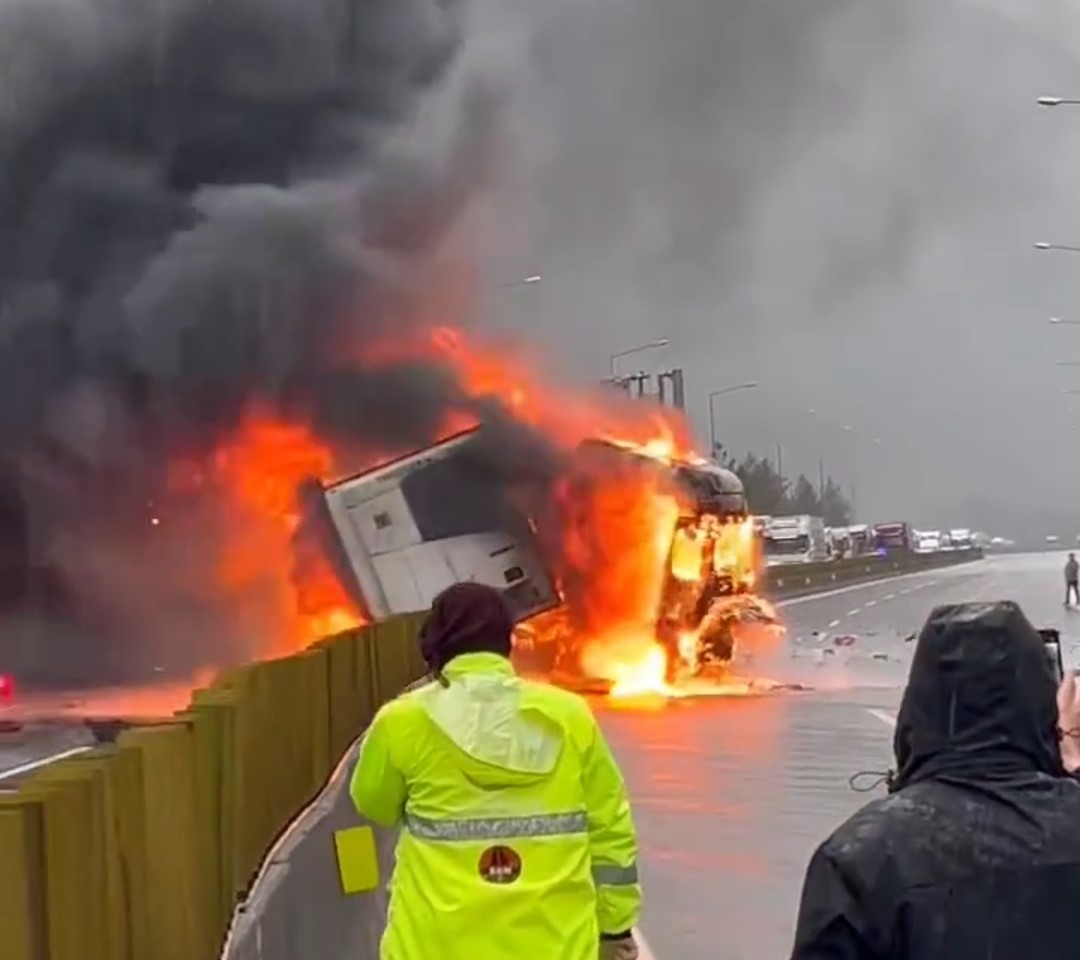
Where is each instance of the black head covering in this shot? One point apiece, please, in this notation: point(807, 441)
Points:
point(465, 618)
point(980, 704)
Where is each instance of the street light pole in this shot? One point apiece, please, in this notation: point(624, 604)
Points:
point(1066, 247)
point(1057, 102)
point(640, 348)
point(1057, 320)
point(750, 385)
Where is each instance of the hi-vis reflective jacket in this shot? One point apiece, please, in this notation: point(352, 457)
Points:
point(516, 836)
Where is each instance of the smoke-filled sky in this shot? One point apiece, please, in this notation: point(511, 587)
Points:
point(835, 198)
point(205, 204)
point(201, 206)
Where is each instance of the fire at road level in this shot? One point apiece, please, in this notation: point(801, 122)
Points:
point(628, 560)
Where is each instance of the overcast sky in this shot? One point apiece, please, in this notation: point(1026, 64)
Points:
point(835, 198)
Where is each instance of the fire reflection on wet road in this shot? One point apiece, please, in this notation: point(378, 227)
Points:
point(732, 795)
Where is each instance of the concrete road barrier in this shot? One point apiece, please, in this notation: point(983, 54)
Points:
point(296, 909)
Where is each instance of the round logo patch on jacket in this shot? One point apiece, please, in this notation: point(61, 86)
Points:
point(500, 865)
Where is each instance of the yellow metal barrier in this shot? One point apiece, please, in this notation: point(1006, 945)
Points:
point(139, 851)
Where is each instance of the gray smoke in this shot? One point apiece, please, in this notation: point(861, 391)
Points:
point(204, 205)
point(834, 198)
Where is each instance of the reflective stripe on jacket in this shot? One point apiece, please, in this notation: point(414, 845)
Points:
point(517, 839)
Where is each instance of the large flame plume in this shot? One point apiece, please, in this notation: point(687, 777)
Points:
point(621, 539)
point(251, 286)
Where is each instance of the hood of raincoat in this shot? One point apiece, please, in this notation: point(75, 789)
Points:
point(465, 618)
point(980, 705)
point(502, 740)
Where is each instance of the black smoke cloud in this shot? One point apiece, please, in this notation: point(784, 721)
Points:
point(196, 200)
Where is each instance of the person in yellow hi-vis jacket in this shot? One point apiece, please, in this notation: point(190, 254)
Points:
point(517, 841)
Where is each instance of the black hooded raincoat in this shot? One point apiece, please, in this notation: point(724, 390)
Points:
point(975, 854)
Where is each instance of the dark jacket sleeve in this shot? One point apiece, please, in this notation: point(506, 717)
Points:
point(832, 924)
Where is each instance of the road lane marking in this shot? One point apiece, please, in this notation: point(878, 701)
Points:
point(870, 603)
point(852, 613)
point(834, 623)
point(861, 585)
point(889, 596)
point(889, 719)
point(41, 762)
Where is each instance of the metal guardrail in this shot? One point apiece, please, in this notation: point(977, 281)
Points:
point(797, 579)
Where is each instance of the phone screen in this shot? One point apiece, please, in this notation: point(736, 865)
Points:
point(1052, 646)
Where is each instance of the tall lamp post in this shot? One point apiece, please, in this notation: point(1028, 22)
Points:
point(750, 385)
point(630, 351)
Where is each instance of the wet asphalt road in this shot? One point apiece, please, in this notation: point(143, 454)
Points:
point(732, 794)
point(36, 728)
point(34, 744)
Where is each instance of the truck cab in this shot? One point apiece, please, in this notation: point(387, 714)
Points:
point(927, 541)
point(961, 539)
point(861, 539)
point(893, 536)
point(795, 539)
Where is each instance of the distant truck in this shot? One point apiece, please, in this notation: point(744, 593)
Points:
point(403, 532)
point(795, 539)
point(839, 542)
point(861, 539)
point(961, 539)
point(894, 536)
point(927, 541)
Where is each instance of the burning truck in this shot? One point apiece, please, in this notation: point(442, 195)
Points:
point(618, 539)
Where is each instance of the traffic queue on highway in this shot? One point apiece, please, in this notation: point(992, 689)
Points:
point(807, 539)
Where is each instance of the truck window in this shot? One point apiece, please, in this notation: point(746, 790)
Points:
point(787, 546)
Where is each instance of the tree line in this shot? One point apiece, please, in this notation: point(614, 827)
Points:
point(770, 493)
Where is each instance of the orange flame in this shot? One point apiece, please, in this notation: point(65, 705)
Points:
point(626, 545)
point(260, 473)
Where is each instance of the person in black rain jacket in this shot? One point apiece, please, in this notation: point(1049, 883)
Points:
point(975, 852)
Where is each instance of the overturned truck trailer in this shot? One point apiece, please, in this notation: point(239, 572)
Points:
point(401, 533)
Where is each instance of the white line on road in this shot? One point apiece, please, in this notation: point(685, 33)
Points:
point(795, 601)
point(889, 596)
point(870, 603)
point(889, 719)
point(852, 613)
point(833, 623)
point(41, 762)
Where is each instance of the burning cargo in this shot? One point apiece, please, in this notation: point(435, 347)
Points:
point(617, 540)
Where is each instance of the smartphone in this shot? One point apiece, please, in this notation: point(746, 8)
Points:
point(1052, 645)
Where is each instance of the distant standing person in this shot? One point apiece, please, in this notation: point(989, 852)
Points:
point(1072, 581)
